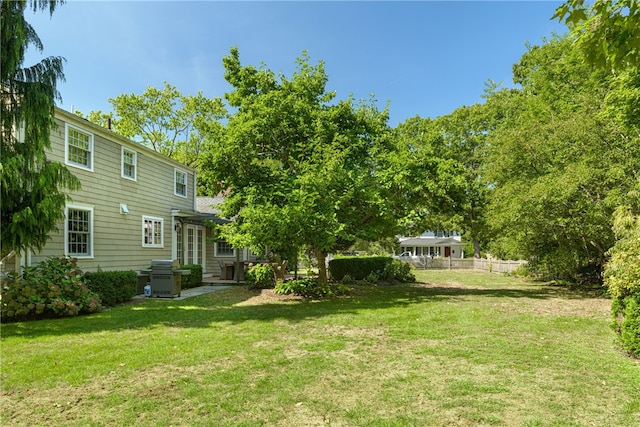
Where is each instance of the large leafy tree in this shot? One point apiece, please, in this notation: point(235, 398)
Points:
point(558, 165)
point(622, 271)
point(33, 188)
point(465, 133)
point(427, 182)
point(301, 169)
point(609, 34)
point(438, 171)
point(179, 126)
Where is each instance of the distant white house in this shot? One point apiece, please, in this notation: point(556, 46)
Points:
point(433, 244)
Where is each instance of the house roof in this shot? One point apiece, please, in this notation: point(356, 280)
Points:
point(197, 217)
point(208, 204)
point(74, 119)
point(431, 241)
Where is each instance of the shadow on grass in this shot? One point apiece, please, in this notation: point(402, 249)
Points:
point(535, 292)
point(225, 307)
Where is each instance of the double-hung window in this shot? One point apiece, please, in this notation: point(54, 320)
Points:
point(180, 187)
point(224, 248)
point(79, 231)
point(152, 232)
point(129, 164)
point(78, 148)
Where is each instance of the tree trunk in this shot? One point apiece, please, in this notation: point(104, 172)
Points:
point(322, 267)
point(476, 249)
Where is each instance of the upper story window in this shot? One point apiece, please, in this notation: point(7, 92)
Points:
point(180, 187)
point(129, 163)
point(78, 148)
point(79, 232)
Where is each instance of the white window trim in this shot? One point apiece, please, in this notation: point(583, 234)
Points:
point(175, 183)
point(67, 126)
point(178, 241)
point(190, 247)
point(66, 231)
point(202, 248)
point(216, 254)
point(154, 219)
point(135, 163)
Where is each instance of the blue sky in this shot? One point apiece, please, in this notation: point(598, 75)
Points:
point(425, 58)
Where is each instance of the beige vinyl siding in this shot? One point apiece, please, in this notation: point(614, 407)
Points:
point(117, 238)
point(212, 264)
point(213, 261)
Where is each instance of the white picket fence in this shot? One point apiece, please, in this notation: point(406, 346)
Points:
point(491, 265)
point(497, 265)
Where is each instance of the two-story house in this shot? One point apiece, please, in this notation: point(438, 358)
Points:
point(135, 205)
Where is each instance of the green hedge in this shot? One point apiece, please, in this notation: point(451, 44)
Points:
point(626, 322)
point(192, 280)
point(113, 287)
point(357, 267)
point(622, 275)
point(310, 288)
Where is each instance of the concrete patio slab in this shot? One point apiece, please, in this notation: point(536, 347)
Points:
point(188, 293)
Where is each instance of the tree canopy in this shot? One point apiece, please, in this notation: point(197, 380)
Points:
point(465, 132)
point(176, 125)
point(558, 163)
point(300, 168)
point(607, 31)
point(33, 188)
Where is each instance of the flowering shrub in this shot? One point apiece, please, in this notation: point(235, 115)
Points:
point(56, 287)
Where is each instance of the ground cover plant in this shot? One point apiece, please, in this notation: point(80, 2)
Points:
point(463, 349)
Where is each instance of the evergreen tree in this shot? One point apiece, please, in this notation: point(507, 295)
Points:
point(32, 187)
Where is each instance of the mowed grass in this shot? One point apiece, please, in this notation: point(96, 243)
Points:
point(455, 349)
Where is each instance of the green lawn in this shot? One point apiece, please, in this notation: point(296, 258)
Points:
point(463, 349)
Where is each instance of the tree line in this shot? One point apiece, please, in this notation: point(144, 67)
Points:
point(535, 171)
